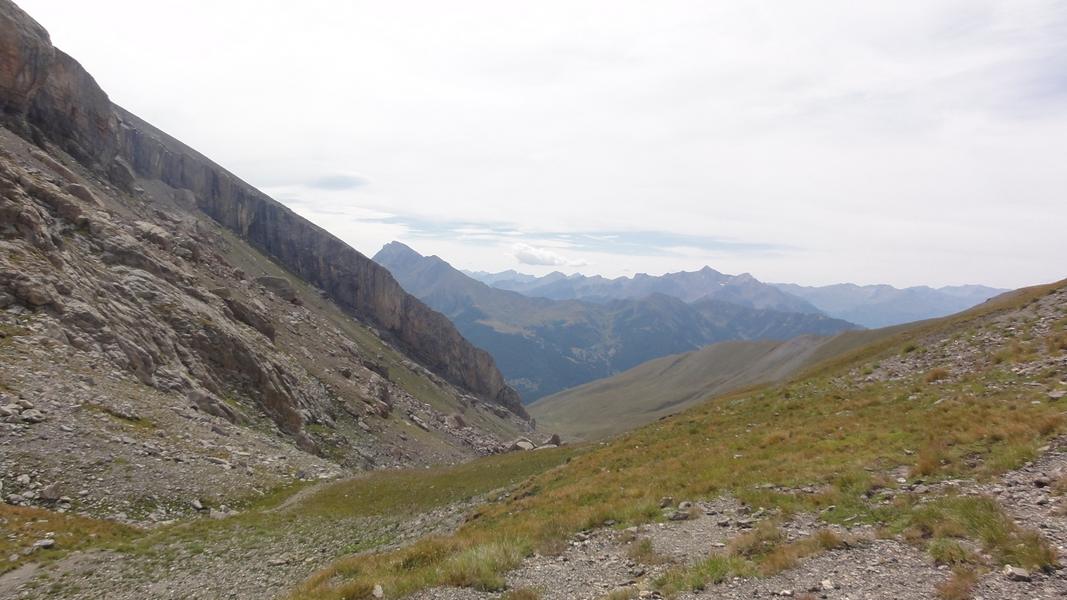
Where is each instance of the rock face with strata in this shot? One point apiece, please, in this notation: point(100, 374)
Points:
point(167, 331)
point(49, 98)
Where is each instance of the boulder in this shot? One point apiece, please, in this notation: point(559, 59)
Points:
point(521, 444)
point(1015, 573)
point(211, 405)
point(83, 193)
point(279, 286)
point(252, 317)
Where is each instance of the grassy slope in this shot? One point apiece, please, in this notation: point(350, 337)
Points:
point(832, 428)
point(391, 495)
point(671, 384)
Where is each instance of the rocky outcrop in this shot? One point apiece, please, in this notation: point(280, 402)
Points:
point(49, 96)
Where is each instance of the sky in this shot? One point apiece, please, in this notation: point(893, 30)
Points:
point(907, 142)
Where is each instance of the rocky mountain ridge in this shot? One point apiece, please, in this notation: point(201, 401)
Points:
point(688, 286)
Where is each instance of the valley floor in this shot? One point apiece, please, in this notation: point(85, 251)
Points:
point(263, 551)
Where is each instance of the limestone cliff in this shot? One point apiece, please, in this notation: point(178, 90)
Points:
point(47, 96)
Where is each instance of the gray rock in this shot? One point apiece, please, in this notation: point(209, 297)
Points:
point(1015, 573)
point(45, 544)
point(279, 286)
point(32, 416)
point(521, 444)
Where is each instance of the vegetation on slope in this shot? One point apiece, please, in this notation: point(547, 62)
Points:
point(390, 495)
point(666, 386)
point(841, 429)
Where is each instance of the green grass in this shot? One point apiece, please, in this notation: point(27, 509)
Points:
point(822, 430)
point(763, 551)
point(939, 523)
point(22, 526)
point(390, 494)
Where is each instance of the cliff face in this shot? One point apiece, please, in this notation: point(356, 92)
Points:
point(46, 95)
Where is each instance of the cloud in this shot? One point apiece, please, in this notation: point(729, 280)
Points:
point(339, 182)
point(531, 255)
point(821, 141)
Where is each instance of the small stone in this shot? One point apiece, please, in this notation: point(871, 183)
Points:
point(378, 592)
point(1015, 573)
point(666, 501)
point(1057, 394)
point(1042, 481)
point(196, 504)
point(32, 416)
point(827, 585)
point(45, 544)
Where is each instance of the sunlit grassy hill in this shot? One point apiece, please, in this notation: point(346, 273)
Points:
point(671, 384)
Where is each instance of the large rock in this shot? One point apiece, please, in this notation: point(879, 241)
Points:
point(213, 406)
point(280, 286)
point(251, 316)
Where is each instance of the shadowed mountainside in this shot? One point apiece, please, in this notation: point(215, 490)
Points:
point(544, 346)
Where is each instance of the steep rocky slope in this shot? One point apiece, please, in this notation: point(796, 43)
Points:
point(544, 346)
point(48, 96)
point(170, 334)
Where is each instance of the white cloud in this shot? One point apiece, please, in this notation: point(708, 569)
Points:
point(882, 141)
point(531, 255)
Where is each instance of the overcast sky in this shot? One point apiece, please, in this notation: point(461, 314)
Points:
point(906, 142)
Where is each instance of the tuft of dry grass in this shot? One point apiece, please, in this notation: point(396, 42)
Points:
point(935, 374)
point(643, 552)
point(959, 586)
point(1056, 343)
point(25, 525)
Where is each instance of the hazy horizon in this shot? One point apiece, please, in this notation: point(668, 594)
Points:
point(917, 143)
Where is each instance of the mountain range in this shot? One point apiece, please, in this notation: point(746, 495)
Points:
point(868, 305)
point(544, 345)
point(884, 305)
point(688, 286)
